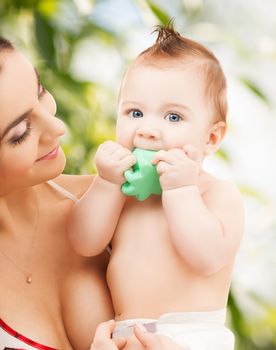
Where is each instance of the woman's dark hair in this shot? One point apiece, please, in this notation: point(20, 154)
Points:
point(5, 44)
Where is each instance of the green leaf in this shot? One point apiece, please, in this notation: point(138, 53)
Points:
point(45, 39)
point(18, 4)
point(48, 7)
point(253, 87)
point(222, 154)
point(236, 315)
point(160, 14)
point(239, 325)
point(252, 192)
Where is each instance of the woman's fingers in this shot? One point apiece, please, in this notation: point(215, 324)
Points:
point(102, 339)
point(104, 330)
point(153, 341)
point(120, 343)
point(148, 340)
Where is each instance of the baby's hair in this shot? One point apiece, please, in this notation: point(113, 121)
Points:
point(170, 44)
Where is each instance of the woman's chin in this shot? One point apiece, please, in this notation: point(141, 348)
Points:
point(54, 168)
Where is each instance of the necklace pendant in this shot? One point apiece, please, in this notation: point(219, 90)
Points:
point(29, 279)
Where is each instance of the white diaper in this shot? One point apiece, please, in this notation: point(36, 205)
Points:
point(192, 330)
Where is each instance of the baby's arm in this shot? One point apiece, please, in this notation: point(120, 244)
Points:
point(95, 216)
point(205, 228)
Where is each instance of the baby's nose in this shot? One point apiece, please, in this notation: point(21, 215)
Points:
point(148, 132)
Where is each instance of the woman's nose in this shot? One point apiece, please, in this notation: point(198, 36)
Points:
point(50, 126)
point(148, 132)
point(53, 127)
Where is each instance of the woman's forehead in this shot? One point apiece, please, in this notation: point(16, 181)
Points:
point(14, 65)
point(18, 84)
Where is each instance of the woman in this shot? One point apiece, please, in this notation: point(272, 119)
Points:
point(48, 294)
point(50, 298)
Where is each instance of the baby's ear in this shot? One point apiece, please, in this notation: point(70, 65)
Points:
point(216, 135)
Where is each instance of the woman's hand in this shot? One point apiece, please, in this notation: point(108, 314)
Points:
point(149, 341)
point(102, 339)
point(153, 341)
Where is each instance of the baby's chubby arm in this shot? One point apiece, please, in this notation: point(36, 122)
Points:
point(95, 216)
point(206, 228)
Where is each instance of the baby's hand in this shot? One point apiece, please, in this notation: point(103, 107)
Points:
point(102, 339)
point(112, 160)
point(177, 167)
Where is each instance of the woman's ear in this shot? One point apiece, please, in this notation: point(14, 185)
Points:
point(216, 135)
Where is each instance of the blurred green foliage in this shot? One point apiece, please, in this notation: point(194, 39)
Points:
point(50, 31)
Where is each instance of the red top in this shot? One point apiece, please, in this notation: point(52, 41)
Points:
point(22, 338)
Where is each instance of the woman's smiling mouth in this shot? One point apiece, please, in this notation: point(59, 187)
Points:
point(51, 155)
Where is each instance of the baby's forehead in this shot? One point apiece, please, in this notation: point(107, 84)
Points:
point(173, 64)
point(189, 72)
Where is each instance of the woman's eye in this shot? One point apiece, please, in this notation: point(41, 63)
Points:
point(136, 113)
point(173, 117)
point(18, 138)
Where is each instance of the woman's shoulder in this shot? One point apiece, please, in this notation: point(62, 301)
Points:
point(75, 184)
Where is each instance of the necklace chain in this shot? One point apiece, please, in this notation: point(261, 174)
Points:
point(26, 272)
point(28, 275)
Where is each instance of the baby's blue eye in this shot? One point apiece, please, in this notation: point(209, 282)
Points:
point(173, 117)
point(137, 114)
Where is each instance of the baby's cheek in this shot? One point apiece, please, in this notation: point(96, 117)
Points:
point(124, 138)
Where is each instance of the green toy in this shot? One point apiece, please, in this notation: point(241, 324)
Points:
point(142, 180)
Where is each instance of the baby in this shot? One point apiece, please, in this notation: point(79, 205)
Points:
point(172, 254)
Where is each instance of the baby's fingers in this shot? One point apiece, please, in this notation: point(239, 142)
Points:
point(192, 152)
point(171, 157)
point(108, 146)
point(127, 162)
point(162, 167)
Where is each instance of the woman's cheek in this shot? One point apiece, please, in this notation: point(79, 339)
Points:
point(19, 160)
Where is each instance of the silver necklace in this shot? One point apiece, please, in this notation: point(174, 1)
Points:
point(26, 272)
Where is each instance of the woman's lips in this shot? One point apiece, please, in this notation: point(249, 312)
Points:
point(51, 155)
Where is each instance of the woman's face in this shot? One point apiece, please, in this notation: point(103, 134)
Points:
point(29, 130)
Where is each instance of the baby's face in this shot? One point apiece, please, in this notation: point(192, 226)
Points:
point(163, 108)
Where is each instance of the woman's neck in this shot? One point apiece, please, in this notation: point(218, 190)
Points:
point(18, 209)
